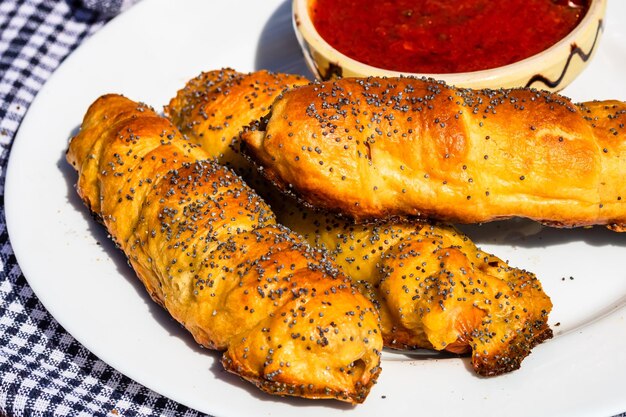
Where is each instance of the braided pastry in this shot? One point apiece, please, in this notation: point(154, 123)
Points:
point(374, 148)
point(208, 249)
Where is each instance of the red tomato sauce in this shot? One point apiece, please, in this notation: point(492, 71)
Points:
point(444, 36)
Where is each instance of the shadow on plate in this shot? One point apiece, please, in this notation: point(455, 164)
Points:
point(278, 49)
point(529, 234)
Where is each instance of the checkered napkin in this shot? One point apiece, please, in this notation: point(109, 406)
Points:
point(43, 370)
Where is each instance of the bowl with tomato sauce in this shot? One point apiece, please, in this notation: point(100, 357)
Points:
point(468, 43)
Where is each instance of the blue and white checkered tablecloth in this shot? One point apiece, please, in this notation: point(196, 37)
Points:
point(43, 370)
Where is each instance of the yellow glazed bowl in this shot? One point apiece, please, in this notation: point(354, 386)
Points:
point(552, 69)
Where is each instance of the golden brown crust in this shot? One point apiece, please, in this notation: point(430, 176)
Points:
point(381, 259)
point(373, 148)
point(213, 106)
point(435, 289)
point(208, 249)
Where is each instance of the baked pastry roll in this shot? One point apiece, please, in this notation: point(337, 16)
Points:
point(375, 148)
point(209, 251)
point(210, 108)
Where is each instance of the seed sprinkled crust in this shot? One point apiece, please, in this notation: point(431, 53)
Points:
point(417, 147)
point(209, 250)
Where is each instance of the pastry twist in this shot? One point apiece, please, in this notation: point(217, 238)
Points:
point(374, 148)
point(208, 250)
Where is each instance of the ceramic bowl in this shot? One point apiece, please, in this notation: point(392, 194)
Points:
point(551, 69)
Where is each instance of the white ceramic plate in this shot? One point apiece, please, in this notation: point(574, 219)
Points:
point(148, 53)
